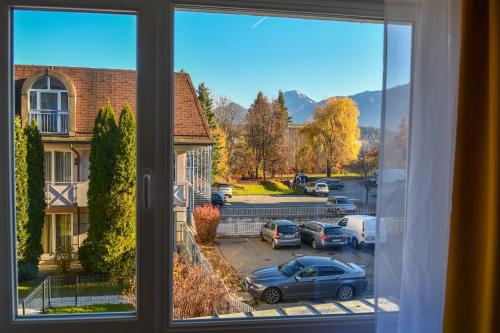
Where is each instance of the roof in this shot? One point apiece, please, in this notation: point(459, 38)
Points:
point(284, 222)
point(94, 86)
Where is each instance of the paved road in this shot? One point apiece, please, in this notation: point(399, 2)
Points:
point(249, 254)
point(353, 189)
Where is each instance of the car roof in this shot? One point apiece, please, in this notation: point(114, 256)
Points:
point(284, 222)
point(362, 217)
point(324, 224)
point(339, 197)
point(319, 261)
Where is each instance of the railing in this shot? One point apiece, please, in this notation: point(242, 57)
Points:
point(59, 291)
point(66, 194)
point(283, 212)
point(56, 122)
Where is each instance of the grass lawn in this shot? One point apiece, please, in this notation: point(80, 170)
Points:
point(24, 288)
point(268, 187)
point(91, 308)
point(93, 288)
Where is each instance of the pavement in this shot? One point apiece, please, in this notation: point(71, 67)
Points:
point(250, 254)
point(353, 189)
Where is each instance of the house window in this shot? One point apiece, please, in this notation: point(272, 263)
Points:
point(62, 167)
point(47, 161)
point(47, 235)
point(48, 102)
point(63, 234)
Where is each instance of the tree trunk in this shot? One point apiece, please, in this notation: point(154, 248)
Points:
point(256, 170)
point(367, 188)
point(328, 169)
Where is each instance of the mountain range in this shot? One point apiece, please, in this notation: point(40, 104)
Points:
point(301, 107)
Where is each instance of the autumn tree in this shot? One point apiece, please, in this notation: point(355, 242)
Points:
point(242, 160)
point(333, 133)
point(230, 116)
point(365, 166)
point(279, 128)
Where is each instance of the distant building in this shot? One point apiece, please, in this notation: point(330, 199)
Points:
point(64, 102)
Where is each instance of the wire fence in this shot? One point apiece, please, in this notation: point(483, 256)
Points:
point(75, 290)
point(283, 212)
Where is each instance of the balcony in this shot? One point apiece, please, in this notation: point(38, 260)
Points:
point(66, 194)
point(50, 122)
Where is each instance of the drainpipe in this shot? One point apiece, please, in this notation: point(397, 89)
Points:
point(77, 162)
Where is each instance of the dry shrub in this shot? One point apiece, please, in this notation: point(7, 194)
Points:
point(207, 220)
point(222, 268)
point(197, 292)
point(130, 293)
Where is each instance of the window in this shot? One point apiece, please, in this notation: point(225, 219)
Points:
point(309, 272)
point(343, 222)
point(47, 160)
point(62, 167)
point(330, 270)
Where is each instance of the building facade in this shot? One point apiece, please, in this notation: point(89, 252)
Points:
point(63, 102)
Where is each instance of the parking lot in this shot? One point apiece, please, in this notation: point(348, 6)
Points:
point(249, 254)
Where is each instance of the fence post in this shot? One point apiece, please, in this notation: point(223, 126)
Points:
point(24, 308)
point(43, 297)
point(76, 290)
point(49, 289)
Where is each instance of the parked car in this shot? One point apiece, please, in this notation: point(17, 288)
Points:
point(333, 184)
point(281, 233)
point(320, 234)
point(218, 199)
point(300, 179)
point(226, 189)
point(307, 277)
point(315, 188)
point(361, 229)
point(340, 205)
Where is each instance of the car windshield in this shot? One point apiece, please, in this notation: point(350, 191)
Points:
point(321, 185)
point(291, 267)
point(287, 228)
point(333, 231)
point(343, 201)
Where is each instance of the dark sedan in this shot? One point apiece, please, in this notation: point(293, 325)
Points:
point(307, 277)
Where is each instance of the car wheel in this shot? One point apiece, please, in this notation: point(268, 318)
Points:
point(271, 295)
point(262, 237)
point(274, 245)
point(345, 292)
point(354, 243)
point(314, 245)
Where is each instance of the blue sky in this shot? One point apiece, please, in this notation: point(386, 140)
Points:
point(236, 55)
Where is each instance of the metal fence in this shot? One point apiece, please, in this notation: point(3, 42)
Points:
point(75, 290)
point(294, 211)
point(239, 228)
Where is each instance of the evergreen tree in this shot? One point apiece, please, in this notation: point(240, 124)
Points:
point(219, 149)
point(36, 199)
point(284, 108)
point(21, 179)
point(121, 260)
point(207, 104)
point(99, 197)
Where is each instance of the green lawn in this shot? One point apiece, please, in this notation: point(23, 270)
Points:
point(24, 288)
point(91, 308)
point(92, 288)
point(269, 188)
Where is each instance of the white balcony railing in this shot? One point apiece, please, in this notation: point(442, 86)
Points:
point(66, 194)
point(53, 122)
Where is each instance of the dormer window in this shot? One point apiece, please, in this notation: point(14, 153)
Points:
point(48, 105)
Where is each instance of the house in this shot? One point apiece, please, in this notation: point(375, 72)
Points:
point(64, 102)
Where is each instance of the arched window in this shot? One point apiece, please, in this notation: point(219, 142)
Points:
point(48, 105)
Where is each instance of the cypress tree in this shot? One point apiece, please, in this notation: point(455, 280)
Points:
point(219, 163)
point(284, 108)
point(99, 197)
point(121, 260)
point(36, 199)
point(21, 180)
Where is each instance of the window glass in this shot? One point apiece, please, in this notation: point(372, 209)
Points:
point(276, 134)
point(47, 161)
point(333, 231)
point(48, 101)
point(309, 272)
point(41, 83)
point(343, 222)
point(62, 167)
point(330, 270)
point(76, 226)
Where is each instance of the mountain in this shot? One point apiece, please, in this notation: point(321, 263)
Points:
point(301, 107)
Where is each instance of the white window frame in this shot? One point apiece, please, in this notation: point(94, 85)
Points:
point(155, 239)
point(50, 91)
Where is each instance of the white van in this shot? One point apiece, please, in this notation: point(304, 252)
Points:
point(361, 229)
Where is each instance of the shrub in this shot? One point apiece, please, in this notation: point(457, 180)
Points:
point(63, 259)
point(207, 220)
point(130, 294)
point(197, 292)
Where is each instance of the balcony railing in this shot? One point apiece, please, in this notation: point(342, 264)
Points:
point(50, 122)
point(66, 194)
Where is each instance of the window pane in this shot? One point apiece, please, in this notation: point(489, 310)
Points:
point(56, 84)
point(41, 83)
point(33, 100)
point(293, 108)
point(64, 101)
point(48, 101)
point(47, 161)
point(84, 250)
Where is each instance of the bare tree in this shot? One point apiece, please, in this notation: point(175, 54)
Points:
point(365, 166)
